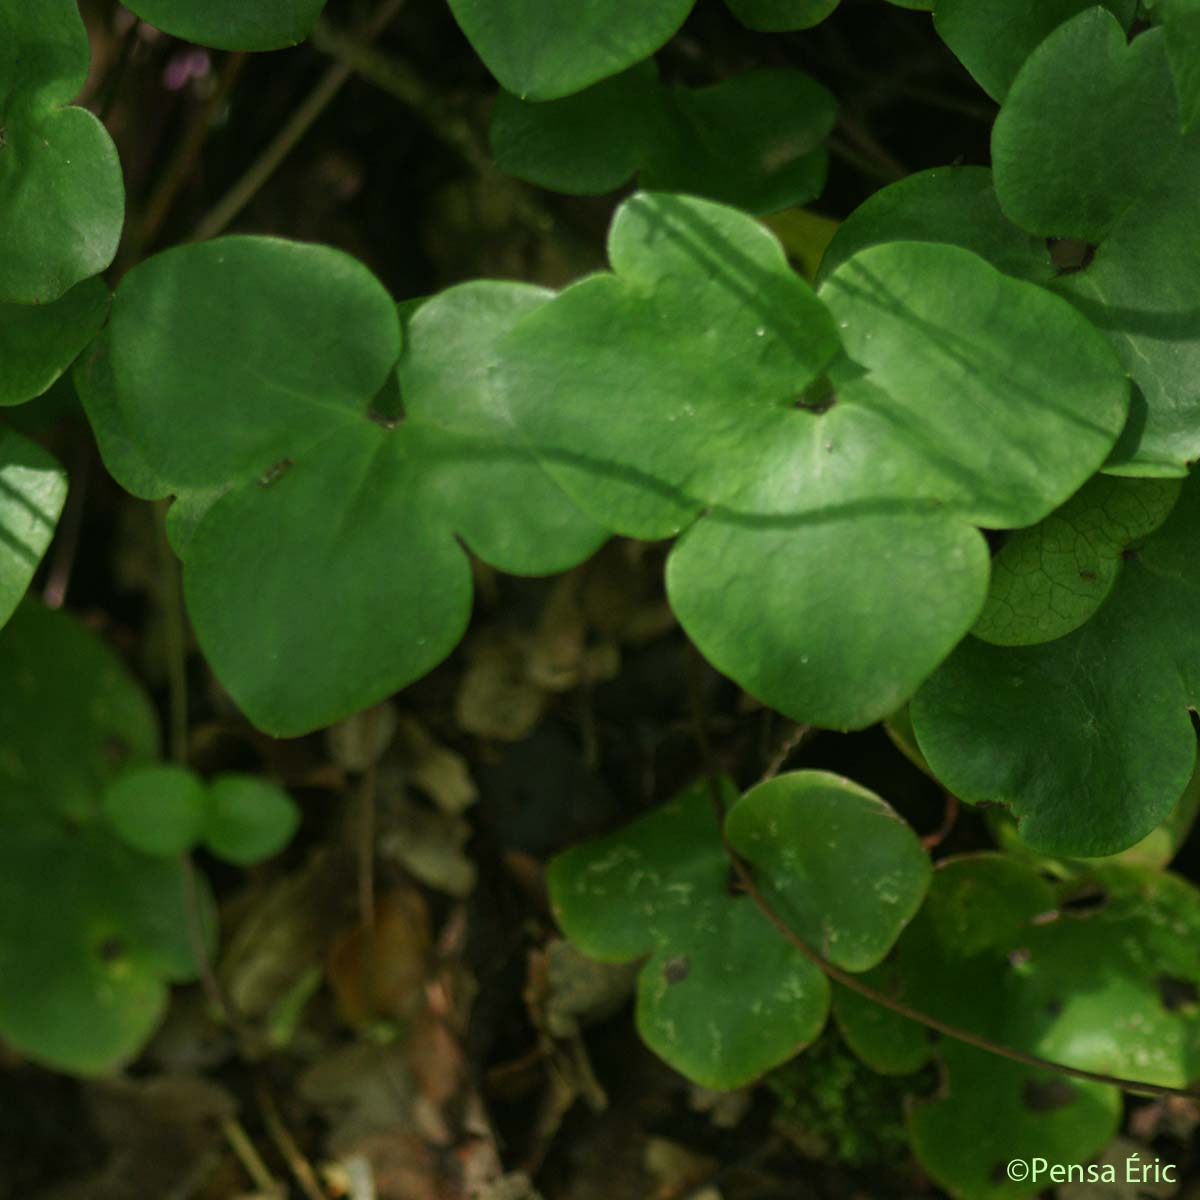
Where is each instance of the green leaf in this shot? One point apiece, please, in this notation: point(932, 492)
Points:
point(952, 205)
point(584, 144)
point(1137, 286)
point(755, 140)
point(574, 46)
point(33, 489)
point(240, 376)
point(248, 818)
point(1048, 580)
point(61, 191)
point(157, 809)
point(1180, 20)
point(39, 342)
point(233, 24)
point(993, 38)
point(84, 967)
point(723, 996)
point(1098, 972)
point(1099, 715)
point(684, 383)
point(1059, 171)
point(256, 372)
point(779, 16)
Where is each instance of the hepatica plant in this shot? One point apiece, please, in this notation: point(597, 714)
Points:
point(944, 483)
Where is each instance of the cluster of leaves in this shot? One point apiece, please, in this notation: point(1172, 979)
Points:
point(1013, 350)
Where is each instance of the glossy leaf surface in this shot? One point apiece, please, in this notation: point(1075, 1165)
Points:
point(723, 996)
point(698, 379)
point(33, 489)
point(61, 192)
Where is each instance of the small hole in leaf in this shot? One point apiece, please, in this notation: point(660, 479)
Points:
point(1070, 254)
point(111, 949)
point(1046, 1095)
point(1174, 993)
point(1088, 901)
point(999, 1172)
point(1088, 576)
point(676, 970)
point(734, 885)
point(274, 474)
point(818, 397)
point(932, 1036)
point(1130, 554)
point(1054, 1008)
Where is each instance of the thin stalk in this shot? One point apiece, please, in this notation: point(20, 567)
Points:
point(747, 883)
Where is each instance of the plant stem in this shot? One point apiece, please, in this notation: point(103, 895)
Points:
point(747, 884)
point(285, 141)
point(249, 1157)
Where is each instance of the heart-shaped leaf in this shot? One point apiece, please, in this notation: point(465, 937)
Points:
point(1098, 973)
point(83, 979)
point(300, 499)
point(1051, 180)
point(575, 46)
point(755, 141)
point(993, 38)
point(1101, 714)
point(1049, 579)
point(694, 383)
point(233, 24)
point(723, 996)
point(61, 191)
point(33, 489)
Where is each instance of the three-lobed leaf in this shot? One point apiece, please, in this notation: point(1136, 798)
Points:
point(827, 455)
point(723, 996)
point(241, 376)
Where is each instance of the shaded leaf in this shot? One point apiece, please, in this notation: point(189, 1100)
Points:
point(247, 818)
point(233, 24)
point(778, 16)
point(723, 997)
point(156, 809)
point(1049, 579)
point(1086, 738)
point(39, 342)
